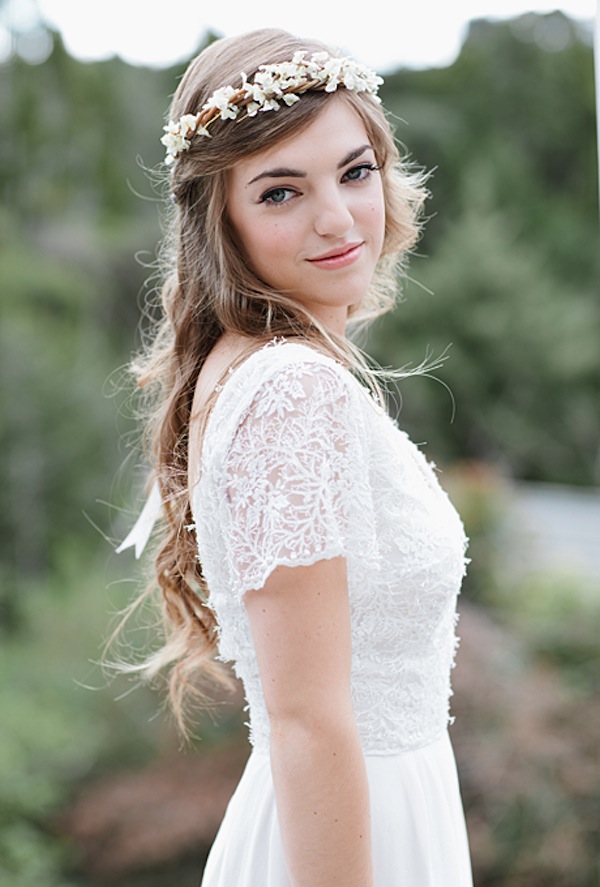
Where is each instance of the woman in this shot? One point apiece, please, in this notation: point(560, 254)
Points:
point(303, 532)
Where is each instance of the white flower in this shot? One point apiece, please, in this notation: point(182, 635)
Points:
point(221, 101)
point(172, 127)
point(173, 141)
point(354, 81)
point(287, 70)
point(266, 81)
point(188, 124)
point(229, 113)
point(371, 80)
point(270, 105)
point(256, 92)
point(332, 71)
point(272, 84)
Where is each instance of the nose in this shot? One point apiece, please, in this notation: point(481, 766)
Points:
point(332, 214)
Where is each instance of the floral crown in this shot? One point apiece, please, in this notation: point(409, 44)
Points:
point(272, 85)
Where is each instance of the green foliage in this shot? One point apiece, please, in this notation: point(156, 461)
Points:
point(482, 498)
point(544, 828)
point(527, 729)
point(559, 620)
point(523, 363)
point(71, 227)
point(521, 97)
point(48, 740)
point(58, 434)
point(62, 722)
point(510, 279)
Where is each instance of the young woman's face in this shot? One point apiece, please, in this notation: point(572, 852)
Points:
point(309, 213)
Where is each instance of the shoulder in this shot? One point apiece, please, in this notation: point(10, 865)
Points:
point(280, 379)
point(297, 376)
point(282, 370)
point(288, 357)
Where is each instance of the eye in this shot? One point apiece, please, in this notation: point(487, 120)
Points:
point(277, 196)
point(360, 172)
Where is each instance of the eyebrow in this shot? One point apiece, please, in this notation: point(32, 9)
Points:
point(284, 172)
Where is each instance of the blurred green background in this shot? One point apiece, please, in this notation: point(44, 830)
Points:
point(95, 788)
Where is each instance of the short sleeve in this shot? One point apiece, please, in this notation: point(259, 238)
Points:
point(289, 472)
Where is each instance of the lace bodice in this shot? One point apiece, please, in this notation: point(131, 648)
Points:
point(298, 464)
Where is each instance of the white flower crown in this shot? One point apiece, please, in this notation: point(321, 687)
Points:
point(272, 84)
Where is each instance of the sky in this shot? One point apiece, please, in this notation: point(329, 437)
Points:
point(420, 33)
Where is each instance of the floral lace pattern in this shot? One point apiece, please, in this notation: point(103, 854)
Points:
point(300, 464)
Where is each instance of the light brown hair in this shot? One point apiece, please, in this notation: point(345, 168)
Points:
point(208, 288)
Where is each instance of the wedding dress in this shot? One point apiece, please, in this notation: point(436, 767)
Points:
point(299, 464)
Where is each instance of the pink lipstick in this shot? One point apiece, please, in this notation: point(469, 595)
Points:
point(339, 257)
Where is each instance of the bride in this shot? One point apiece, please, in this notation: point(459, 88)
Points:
point(304, 538)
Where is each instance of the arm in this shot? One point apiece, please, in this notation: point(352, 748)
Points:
point(300, 623)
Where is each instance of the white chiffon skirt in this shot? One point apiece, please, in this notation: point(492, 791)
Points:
point(418, 828)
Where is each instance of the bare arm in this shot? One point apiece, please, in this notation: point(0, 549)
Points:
point(300, 623)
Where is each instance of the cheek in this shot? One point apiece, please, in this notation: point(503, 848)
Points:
point(270, 242)
point(379, 213)
point(372, 213)
point(375, 219)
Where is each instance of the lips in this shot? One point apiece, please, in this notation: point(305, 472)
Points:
point(338, 252)
point(340, 257)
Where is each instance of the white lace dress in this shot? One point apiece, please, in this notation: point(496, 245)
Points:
point(300, 464)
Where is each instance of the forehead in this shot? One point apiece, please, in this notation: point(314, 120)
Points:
point(327, 139)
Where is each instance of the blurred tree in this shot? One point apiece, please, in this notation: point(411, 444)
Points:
point(513, 274)
point(512, 243)
point(511, 282)
point(78, 205)
point(521, 96)
point(523, 365)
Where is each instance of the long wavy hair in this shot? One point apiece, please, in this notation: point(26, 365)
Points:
point(208, 288)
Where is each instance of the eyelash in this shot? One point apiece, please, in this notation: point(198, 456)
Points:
point(369, 167)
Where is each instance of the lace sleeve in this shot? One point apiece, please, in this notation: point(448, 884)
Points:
point(289, 472)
